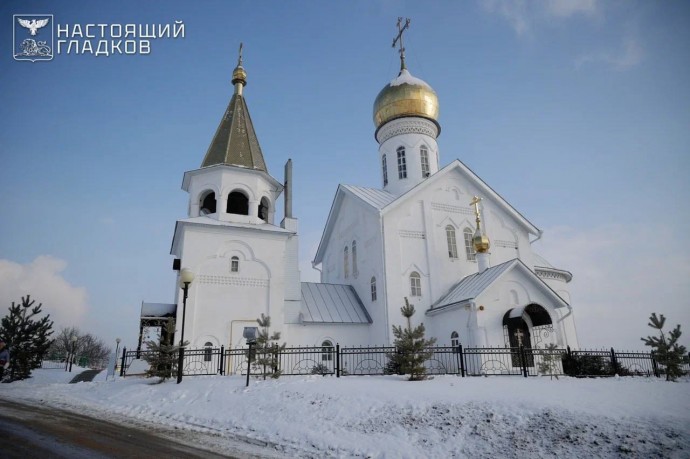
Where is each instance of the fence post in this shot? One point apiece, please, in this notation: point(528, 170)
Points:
point(122, 365)
point(570, 354)
point(614, 362)
point(249, 363)
point(523, 359)
point(462, 361)
point(337, 360)
point(654, 367)
point(221, 368)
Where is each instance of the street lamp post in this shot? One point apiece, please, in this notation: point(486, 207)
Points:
point(186, 278)
point(117, 350)
point(74, 350)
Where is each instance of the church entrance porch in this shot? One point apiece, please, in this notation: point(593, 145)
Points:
point(530, 327)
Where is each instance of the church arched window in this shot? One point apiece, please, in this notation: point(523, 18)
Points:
point(208, 351)
point(415, 284)
point(373, 289)
point(207, 203)
point(424, 155)
point(238, 203)
point(385, 170)
point(469, 247)
point(454, 339)
point(234, 265)
point(346, 262)
point(354, 259)
point(402, 164)
point(452, 243)
point(326, 351)
point(263, 209)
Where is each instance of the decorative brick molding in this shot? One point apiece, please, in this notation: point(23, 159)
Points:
point(406, 126)
point(231, 280)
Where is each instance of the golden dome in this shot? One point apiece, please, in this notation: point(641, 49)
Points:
point(239, 75)
point(405, 96)
point(480, 242)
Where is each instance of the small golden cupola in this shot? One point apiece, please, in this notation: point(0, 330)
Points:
point(480, 241)
point(405, 95)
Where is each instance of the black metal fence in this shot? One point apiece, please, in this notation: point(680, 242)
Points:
point(444, 360)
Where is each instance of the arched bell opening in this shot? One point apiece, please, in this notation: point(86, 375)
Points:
point(207, 203)
point(238, 203)
point(264, 206)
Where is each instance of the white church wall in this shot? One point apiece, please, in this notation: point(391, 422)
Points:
point(316, 334)
point(219, 297)
point(444, 324)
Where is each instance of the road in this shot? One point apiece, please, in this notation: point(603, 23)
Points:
point(28, 431)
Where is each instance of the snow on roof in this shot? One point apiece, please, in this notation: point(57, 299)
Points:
point(541, 261)
point(372, 196)
point(471, 286)
point(332, 304)
point(406, 77)
point(157, 309)
point(203, 219)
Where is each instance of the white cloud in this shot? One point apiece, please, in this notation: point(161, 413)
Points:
point(621, 275)
point(629, 55)
point(42, 279)
point(524, 15)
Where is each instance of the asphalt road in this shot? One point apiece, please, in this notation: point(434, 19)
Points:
point(36, 432)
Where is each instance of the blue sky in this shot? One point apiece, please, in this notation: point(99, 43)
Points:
point(576, 112)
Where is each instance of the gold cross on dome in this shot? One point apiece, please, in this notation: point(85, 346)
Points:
point(475, 202)
point(399, 38)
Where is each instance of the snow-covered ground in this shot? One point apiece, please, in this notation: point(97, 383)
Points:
point(389, 417)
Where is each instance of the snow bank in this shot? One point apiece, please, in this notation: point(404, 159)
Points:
point(390, 417)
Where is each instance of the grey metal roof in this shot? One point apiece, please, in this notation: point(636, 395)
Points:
point(471, 286)
point(332, 304)
point(372, 196)
point(235, 141)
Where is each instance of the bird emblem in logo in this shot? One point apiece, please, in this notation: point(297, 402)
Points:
point(33, 25)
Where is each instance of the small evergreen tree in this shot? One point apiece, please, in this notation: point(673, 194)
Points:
point(549, 360)
point(27, 337)
point(412, 350)
point(666, 350)
point(267, 349)
point(162, 356)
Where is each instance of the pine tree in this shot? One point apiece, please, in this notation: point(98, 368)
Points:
point(666, 351)
point(27, 337)
point(549, 360)
point(267, 349)
point(412, 350)
point(162, 356)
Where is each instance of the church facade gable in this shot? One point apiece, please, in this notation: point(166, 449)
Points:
point(491, 313)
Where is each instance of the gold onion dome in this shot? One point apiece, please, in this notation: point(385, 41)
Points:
point(405, 96)
point(480, 242)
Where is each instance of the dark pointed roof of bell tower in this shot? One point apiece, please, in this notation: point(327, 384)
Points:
point(235, 142)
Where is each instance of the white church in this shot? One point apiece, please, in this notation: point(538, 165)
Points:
point(438, 236)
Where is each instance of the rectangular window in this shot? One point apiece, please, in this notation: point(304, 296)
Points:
point(385, 171)
point(425, 162)
point(402, 165)
point(469, 247)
